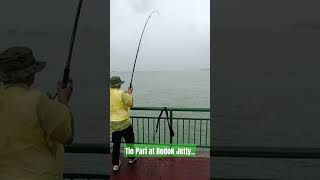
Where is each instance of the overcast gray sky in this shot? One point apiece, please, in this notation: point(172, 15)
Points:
point(177, 39)
point(51, 16)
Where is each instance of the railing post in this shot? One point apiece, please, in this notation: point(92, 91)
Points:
point(171, 115)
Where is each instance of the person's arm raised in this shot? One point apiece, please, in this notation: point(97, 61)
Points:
point(64, 96)
point(55, 116)
point(127, 98)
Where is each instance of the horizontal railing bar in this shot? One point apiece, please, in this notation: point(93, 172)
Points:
point(231, 151)
point(172, 109)
point(266, 152)
point(88, 148)
point(172, 118)
point(168, 144)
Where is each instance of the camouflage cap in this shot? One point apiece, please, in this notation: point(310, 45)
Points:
point(18, 62)
point(115, 81)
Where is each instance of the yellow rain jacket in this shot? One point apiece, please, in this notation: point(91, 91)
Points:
point(120, 104)
point(32, 130)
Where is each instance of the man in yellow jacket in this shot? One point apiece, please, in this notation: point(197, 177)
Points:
point(33, 127)
point(120, 125)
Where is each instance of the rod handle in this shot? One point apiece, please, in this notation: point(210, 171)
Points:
point(65, 79)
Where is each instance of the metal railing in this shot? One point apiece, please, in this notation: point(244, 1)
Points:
point(190, 130)
point(230, 151)
point(87, 149)
point(187, 130)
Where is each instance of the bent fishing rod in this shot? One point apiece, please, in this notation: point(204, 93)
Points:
point(135, 60)
point(66, 71)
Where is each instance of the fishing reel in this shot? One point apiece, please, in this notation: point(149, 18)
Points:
point(62, 85)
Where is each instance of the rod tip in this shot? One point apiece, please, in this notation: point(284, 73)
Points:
point(156, 12)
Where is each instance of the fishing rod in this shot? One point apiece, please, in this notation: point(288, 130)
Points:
point(66, 71)
point(135, 60)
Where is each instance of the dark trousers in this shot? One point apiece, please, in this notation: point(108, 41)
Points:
point(128, 136)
